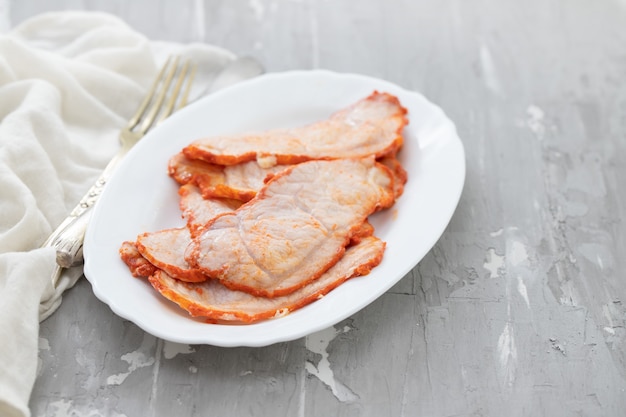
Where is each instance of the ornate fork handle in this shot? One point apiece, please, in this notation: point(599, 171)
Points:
point(68, 238)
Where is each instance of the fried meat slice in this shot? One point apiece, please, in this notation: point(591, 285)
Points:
point(165, 250)
point(364, 231)
point(242, 181)
point(371, 126)
point(239, 182)
point(400, 175)
point(295, 228)
point(138, 265)
point(216, 302)
point(198, 211)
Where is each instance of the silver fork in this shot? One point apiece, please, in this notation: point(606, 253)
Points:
point(67, 239)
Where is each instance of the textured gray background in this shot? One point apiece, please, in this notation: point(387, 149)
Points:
point(519, 309)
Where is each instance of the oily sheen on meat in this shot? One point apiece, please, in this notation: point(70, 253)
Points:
point(371, 126)
point(296, 227)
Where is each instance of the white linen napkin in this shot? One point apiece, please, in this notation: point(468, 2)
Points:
point(68, 83)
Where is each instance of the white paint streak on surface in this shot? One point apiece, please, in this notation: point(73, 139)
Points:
point(171, 349)
point(156, 369)
point(318, 343)
point(493, 263)
point(43, 345)
point(61, 408)
point(497, 233)
point(535, 121)
point(606, 311)
point(489, 71)
point(609, 330)
point(66, 408)
point(140, 358)
point(521, 288)
point(516, 253)
point(302, 394)
point(600, 263)
point(507, 352)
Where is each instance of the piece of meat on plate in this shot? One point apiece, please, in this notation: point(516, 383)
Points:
point(216, 302)
point(138, 265)
point(198, 211)
point(371, 126)
point(239, 182)
point(243, 181)
point(165, 250)
point(400, 175)
point(295, 228)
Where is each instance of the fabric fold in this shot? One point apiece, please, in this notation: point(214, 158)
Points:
point(69, 81)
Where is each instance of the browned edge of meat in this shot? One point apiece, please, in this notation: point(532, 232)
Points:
point(209, 178)
point(400, 175)
point(166, 254)
point(240, 313)
point(195, 151)
point(139, 266)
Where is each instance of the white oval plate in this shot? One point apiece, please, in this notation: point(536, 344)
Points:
point(142, 197)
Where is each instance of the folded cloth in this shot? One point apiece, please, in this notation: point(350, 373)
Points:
point(69, 81)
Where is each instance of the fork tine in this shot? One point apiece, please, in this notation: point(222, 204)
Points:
point(183, 100)
point(174, 96)
point(146, 101)
point(159, 100)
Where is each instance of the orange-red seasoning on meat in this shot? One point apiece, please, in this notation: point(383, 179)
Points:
point(217, 303)
point(371, 126)
point(295, 228)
